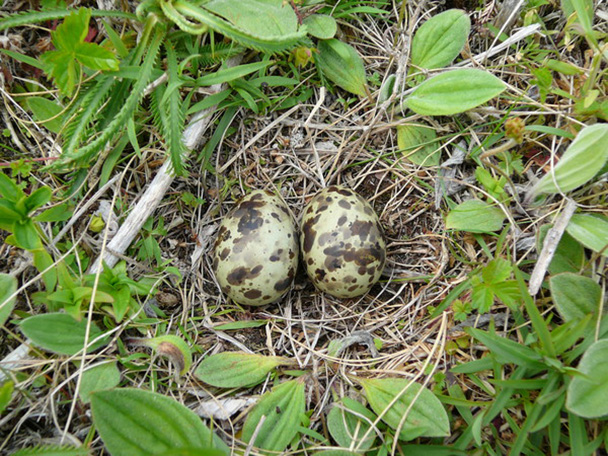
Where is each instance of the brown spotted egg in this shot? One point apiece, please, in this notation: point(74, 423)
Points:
point(255, 256)
point(342, 243)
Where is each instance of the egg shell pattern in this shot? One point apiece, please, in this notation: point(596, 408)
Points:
point(342, 243)
point(255, 256)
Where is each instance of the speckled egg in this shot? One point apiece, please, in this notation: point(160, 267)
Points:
point(255, 256)
point(342, 243)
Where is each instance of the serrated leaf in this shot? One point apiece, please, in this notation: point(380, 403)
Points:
point(44, 109)
point(101, 377)
point(348, 422)
point(426, 416)
point(52, 450)
point(72, 31)
point(282, 408)
point(440, 39)
point(173, 347)
point(574, 295)
point(134, 422)
point(320, 26)
point(341, 64)
point(8, 287)
point(95, 57)
point(419, 144)
point(587, 395)
point(60, 333)
point(453, 92)
point(583, 159)
point(475, 216)
point(236, 369)
point(591, 231)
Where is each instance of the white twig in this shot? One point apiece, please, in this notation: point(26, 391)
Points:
point(549, 246)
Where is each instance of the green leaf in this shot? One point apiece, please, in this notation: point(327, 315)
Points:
point(425, 414)
point(336, 452)
point(63, 68)
point(475, 216)
point(569, 255)
point(583, 159)
point(8, 287)
point(6, 394)
point(58, 213)
point(575, 296)
point(320, 26)
point(341, 64)
point(38, 198)
point(282, 408)
point(440, 39)
point(348, 421)
point(26, 235)
point(419, 144)
point(587, 396)
point(191, 452)
point(507, 351)
point(230, 74)
point(60, 333)
point(53, 450)
point(135, 422)
point(72, 31)
point(44, 109)
point(591, 231)
point(9, 189)
point(174, 348)
point(43, 261)
point(453, 92)
point(100, 377)
point(236, 369)
point(95, 57)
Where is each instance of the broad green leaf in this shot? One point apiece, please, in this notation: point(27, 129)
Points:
point(341, 64)
point(58, 213)
point(44, 262)
point(26, 235)
point(419, 144)
point(282, 408)
point(60, 333)
point(454, 91)
point(45, 109)
point(230, 74)
point(506, 350)
point(259, 18)
point(426, 416)
point(95, 57)
point(53, 450)
point(135, 422)
point(440, 39)
point(475, 216)
point(8, 286)
point(174, 348)
point(6, 394)
point(191, 452)
point(236, 369)
point(347, 424)
point(38, 198)
point(321, 26)
point(588, 396)
point(563, 67)
point(583, 159)
point(569, 255)
point(575, 296)
point(101, 377)
point(9, 189)
point(63, 68)
point(591, 231)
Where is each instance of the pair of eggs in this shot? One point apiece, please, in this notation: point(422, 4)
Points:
point(255, 256)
